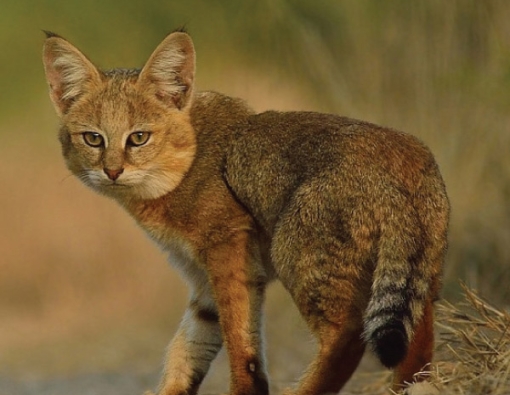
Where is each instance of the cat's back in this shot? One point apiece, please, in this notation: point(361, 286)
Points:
point(311, 140)
point(278, 153)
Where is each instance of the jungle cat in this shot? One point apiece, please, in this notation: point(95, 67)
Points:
point(351, 217)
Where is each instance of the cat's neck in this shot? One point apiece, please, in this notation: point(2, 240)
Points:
point(213, 110)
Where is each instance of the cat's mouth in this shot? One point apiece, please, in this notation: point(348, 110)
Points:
point(113, 185)
point(116, 185)
point(115, 188)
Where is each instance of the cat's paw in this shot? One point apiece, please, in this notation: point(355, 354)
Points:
point(149, 393)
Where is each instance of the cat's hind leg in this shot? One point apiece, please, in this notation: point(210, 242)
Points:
point(340, 351)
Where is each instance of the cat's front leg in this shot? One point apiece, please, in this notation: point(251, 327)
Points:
point(193, 347)
point(238, 282)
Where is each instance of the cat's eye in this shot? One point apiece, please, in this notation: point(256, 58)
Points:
point(93, 139)
point(137, 139)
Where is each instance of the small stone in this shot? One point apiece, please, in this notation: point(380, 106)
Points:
point(422, 388)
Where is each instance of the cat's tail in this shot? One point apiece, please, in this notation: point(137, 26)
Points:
point(400, 287)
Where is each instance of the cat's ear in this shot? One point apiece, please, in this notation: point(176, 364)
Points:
point(170, 71)
point(68, 72)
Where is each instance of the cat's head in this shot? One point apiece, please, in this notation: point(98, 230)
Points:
point(125, 133)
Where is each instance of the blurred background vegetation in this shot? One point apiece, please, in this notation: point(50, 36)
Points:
point(81, 288)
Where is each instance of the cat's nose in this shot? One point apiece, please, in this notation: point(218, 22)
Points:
point(113, 174)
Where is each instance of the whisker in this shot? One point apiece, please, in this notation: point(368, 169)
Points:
point(83, 176)
point(66, 177)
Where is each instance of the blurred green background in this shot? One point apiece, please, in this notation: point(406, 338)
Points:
point(82, 289)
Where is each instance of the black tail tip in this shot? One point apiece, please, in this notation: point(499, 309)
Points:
point(390, 344)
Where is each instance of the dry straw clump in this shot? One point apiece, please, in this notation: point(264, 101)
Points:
point(473, 354)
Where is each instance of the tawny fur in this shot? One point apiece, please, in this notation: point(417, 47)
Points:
point(351, 217)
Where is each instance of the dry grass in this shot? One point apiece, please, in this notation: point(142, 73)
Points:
point(474, 349)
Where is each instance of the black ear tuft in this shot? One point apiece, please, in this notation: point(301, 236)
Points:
point(50, 34)
point(181, 29)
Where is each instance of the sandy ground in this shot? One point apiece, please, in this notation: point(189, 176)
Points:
point(136, 381)
point(87, 384)
point(117, 384)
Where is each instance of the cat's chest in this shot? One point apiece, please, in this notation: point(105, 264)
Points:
point(169, 235)
point(182, 256)
point(182, 252)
